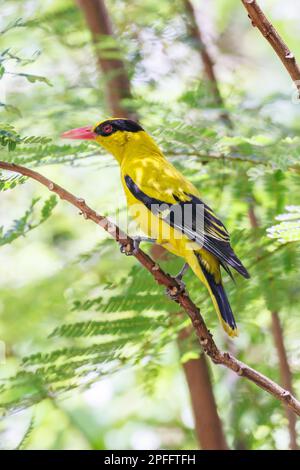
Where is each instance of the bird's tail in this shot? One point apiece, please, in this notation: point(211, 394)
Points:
point(220, 301)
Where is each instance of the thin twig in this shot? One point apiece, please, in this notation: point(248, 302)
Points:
point(267, 254)
point(181, 297)
point(233, 157)
point(266, 28)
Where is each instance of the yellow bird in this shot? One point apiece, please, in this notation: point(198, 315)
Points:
point(168, 208)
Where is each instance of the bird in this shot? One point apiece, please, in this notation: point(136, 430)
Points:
point(169, 209)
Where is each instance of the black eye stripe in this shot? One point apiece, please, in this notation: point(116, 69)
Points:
point(118, 125)
point(100, 130)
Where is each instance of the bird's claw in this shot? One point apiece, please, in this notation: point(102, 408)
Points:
point(129, 249)
point(174, 292)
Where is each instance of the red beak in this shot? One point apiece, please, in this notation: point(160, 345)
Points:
point(84, 133)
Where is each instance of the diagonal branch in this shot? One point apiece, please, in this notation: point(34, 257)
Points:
point(266, 28)
point(182, 298)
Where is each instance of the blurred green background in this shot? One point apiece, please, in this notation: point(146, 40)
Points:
point(123, 385)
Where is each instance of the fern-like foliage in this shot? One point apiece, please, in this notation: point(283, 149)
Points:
point(8, 136)
point(134, 326)
point(128, 325)
point(38, 150)
point(288, 230)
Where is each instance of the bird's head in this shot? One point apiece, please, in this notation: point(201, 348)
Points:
point(115, 135)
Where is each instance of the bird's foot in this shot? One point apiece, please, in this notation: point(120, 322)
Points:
point(173, 292)
point(182, 272)
point(132, 248)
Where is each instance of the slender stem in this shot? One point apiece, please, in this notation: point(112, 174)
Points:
point(181, 297)
point(266, 28)
point(233, 157)
point(267, 254)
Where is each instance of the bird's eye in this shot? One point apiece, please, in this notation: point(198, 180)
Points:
point(107, 129)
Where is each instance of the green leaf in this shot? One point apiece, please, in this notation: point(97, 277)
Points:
point(48, 207)
point(27, 222)
point(2, 70)
point(35, 78)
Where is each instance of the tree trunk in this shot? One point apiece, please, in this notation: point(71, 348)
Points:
point(118, 84)
point(285, 376)
point(207, 422)
point(208, 64)
point(252, 216)
point(206, 59)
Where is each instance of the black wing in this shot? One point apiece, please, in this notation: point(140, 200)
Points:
point(185, 216)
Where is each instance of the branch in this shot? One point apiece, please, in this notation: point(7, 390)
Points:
point(182, 298)
point(233, 157)
point(266, 28)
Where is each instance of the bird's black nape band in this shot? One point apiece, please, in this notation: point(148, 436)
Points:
point(118, 125)
point(126, 125)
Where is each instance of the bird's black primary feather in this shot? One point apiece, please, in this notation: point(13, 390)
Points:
point(220, 296)
point(212, 236)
